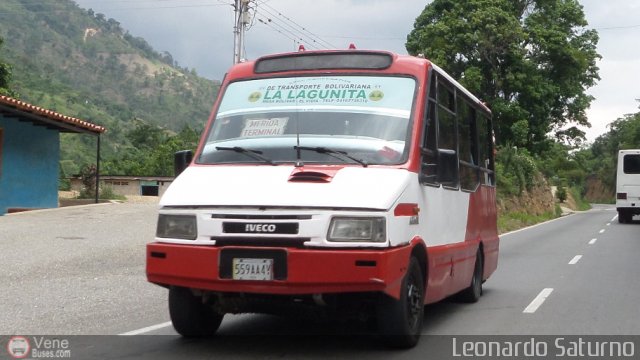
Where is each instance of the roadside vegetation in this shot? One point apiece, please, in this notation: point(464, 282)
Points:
point(531, 61)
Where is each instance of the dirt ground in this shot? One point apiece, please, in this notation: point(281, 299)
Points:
point(535, 201)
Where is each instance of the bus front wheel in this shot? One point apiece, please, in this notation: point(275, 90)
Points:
point(190, 317)
point(400, 321)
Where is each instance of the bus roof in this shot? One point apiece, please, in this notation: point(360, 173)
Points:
point(305, 62)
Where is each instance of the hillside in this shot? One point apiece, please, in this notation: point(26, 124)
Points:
point(84, 65)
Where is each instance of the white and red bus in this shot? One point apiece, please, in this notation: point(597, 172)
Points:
point(348, 181)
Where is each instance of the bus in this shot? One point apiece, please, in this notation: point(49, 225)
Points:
point(341, 181)
point(628, 185)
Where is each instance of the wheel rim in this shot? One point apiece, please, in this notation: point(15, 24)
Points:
point(414, 302)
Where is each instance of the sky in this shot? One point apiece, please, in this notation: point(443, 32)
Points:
point(199, 35)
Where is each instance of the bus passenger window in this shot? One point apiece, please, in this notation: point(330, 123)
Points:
point(467, 146)
point(429, 151)
point(447, 132)
point(485, 148)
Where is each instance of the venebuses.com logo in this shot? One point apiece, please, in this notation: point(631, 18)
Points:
point(38, 347)
point(18, 347)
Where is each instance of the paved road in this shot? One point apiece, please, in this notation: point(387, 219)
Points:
point(77, 270)
point(81, 271)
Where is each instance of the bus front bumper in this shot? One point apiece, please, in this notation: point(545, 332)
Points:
point(298, 271)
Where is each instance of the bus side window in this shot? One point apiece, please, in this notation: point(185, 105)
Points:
point(468, 146)
point(485, 149)
point(429, 172)
point(447, 137)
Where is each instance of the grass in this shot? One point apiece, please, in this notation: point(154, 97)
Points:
point(517, 220)
point(581, 203)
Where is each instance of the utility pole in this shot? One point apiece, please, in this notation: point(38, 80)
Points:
point(241, 21)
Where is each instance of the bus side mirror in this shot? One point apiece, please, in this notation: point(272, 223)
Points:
point(447, 167)
point(181, 161)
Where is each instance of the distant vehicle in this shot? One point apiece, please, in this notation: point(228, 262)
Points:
point(348, 182)
point(628, 185)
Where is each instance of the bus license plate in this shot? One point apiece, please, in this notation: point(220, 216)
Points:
point(252, 269)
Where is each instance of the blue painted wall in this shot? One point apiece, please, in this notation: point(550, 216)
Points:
point(29, 174)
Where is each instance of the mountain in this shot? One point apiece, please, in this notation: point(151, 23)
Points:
point(82, 64)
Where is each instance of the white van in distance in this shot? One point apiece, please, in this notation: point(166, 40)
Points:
point(628, 185)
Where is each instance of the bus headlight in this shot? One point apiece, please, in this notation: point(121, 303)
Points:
point(177, 227)
point(357, 229)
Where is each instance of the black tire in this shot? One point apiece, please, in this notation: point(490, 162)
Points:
point(625, 217)
point(400, 321)
point(622, 217)
point(473, 293)
point(628, 219)
point(190, 317)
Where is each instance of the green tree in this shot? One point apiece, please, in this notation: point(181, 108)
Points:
point(5, 76)
point(531, 60)
point(145, 135)
point(602, 157)
point(152, 151)
point(561, 194)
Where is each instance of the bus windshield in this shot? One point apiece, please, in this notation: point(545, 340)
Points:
point(332, 119)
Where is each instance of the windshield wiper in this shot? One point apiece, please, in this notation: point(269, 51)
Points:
point(338, 154)
point(256, 154)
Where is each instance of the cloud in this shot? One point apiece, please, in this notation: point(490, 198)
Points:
point(615, 94)
point(367, 24)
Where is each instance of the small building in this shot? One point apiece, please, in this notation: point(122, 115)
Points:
point(129, 185)
point(30, 153)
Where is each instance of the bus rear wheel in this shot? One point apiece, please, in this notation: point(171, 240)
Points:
point(474, 291)
point(400, 321)
point(190, 317)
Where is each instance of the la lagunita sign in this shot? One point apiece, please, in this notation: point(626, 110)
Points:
point(386, 94)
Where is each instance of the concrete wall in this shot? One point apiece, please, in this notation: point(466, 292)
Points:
point(163, 186)
point(29, 173)
point(119, 187)
point(124, 187)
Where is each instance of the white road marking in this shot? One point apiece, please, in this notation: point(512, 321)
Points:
point(614, 218)
point(593, 241)
point(537, 302)
point(147, 329)
point(608, 223)
point(601, 231)
point(575, 260)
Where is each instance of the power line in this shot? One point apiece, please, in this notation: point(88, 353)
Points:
point(276, 25)
point(364, 37)
point(283, 34)
point(292, 30)
point(295, 27)
point(304, 29)
point(287, 33)
point(618, 27)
